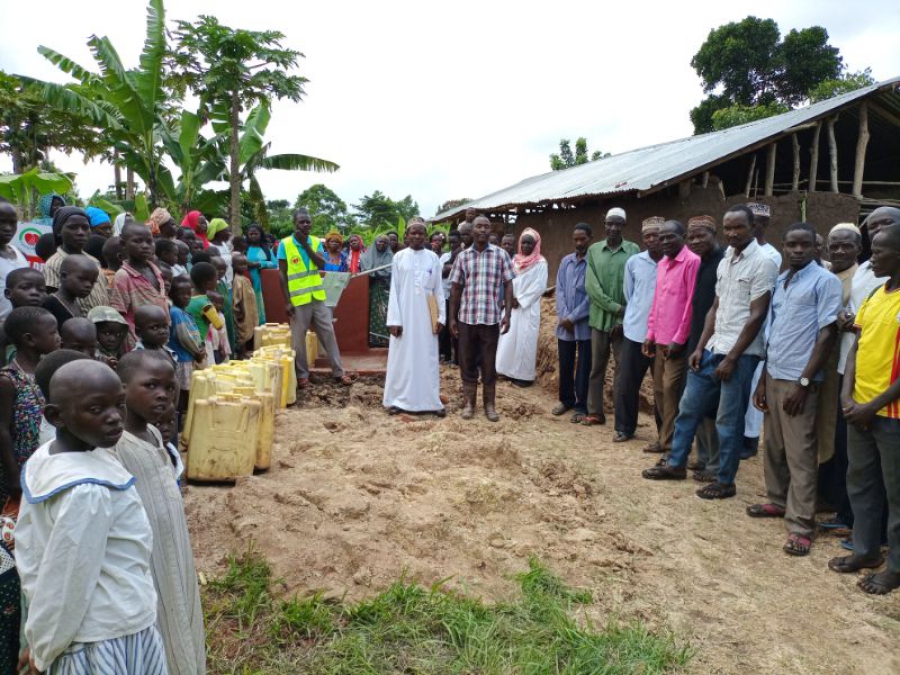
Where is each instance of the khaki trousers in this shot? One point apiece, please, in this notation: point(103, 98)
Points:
point(791, 456)
point(316, 315)
point(668, 385)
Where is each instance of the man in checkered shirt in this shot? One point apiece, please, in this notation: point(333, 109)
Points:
point(475, 315)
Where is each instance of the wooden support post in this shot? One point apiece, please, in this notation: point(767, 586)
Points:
point(832, 154)
point(705, 179)
point(684, 189)
point(862, 141)
point(770, 168)
point(814, 160)
point(795, 183)
point(750, 176)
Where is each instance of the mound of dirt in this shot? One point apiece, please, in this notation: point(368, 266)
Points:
point(548, 362)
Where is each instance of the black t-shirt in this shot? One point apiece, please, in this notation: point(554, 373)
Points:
point(53, 305)
point(704, 296)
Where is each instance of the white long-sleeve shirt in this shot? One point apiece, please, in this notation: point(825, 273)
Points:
point(83, 546)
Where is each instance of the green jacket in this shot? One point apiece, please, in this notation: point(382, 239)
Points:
point(605, 282)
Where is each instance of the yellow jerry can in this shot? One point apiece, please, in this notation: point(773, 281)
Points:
point(224, 438)
point(266, 424)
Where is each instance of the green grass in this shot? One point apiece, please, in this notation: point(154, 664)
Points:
point(411, 629)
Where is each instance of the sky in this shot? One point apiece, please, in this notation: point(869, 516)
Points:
point(458, 99)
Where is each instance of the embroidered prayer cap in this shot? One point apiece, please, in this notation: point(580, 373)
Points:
point(704, 221)
point(652, 223)
point(616, 212)
point(761, 210)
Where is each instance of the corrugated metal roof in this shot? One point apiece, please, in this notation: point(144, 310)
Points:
point(651, 168)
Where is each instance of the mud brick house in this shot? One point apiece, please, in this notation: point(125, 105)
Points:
point(833, 161)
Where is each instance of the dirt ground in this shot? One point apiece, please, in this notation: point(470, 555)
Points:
point(355, 498)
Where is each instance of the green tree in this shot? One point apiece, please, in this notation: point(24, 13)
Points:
point(736, 115)
point(407, 208)
point(846, 83)
point(565, 159)
point(747, 63)
point(232, 70)
point(127, 106)
point(377, 210)
point(327, 210)
point(452, 204)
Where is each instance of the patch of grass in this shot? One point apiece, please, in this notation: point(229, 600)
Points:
point(411, 629)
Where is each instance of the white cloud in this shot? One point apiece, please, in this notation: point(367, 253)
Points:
point(459, 99)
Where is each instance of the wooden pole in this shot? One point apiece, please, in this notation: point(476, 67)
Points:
point(705, 179)
point(861, 142)
point(795, 184)
point(832, 154)
point(750, 176)
point(770, 168)
point(814, 160)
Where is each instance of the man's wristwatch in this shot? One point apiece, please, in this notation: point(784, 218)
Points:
point(803, 382)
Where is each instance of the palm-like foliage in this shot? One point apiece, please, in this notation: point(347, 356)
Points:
point(127, 105)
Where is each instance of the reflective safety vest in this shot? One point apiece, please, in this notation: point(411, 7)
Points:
point(304, 285)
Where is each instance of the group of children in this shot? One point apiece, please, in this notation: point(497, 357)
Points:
point(90, 398)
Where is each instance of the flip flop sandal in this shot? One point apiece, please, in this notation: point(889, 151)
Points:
point(851, 563)
point(765, 511)
point(653, 449)
point(878, 584)
point(303, 383)
point(577, 418)
point(592, 420)
point(705, 476)
point(833, 525)
point(797, 545)
point(717, 491)
point(394, 410)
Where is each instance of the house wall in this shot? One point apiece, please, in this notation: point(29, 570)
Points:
point(823, 211)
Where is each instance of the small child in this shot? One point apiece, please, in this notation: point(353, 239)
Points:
point(204, 279)
point(138, 282)
point(218, 337)
point(183, 265)
point(34, 333)
point(25, 287)
point(83, 541)
point(246, 313)
point(151, 323)
point(77, 276)
point(149, 380)
point(112, 256)
point(223, 287)
point(166, 251)
point(111, 332)
point(184, 339)
point(80, 335)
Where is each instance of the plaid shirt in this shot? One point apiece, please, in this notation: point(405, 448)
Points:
point(481, 275)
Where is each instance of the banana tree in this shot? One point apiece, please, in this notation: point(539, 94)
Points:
point(127, 105)
point(21, 188)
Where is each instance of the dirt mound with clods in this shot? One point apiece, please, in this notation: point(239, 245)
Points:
point(548, 362)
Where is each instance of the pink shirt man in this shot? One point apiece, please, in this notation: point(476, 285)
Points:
point(670, 314)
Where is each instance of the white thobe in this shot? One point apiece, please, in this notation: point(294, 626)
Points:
point(517, 349)
point(413, 380)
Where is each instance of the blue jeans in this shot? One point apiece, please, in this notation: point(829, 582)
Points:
point(701, 395)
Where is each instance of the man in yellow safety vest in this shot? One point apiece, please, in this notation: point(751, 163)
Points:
point(300, 257)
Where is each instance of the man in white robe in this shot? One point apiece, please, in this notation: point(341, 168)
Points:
point(413, 380)
point(517, 349)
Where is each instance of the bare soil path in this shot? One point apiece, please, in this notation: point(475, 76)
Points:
point(355, 498)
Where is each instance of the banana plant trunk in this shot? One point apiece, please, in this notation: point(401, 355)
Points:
point(129, 183)
point(234, 174)
point(117, 175)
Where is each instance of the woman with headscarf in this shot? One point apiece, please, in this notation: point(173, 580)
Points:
point(47, 207)
point(157, 219)
point(219, 236)
point(378, 256)
point(259, 258)
point(71, 228)
point(196, 222)
point(124, 219)
point(355, 253)
point(517, 349)
point(335, 257)
point(100, 222)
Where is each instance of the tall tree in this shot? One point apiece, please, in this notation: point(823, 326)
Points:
point(378, 210)
point(327, 210)
point(232, 70)
point(128, 106)
point(747, 63)
point(565, 159)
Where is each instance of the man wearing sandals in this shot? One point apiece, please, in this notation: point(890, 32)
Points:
point(722, 366)
point(802, 332)
point(871, 404)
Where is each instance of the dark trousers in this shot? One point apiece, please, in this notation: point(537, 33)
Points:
point(873, 479)
point(478, 343)
point(833, 473)
point(631, 367)
point(447, 347)
point(574, 373)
